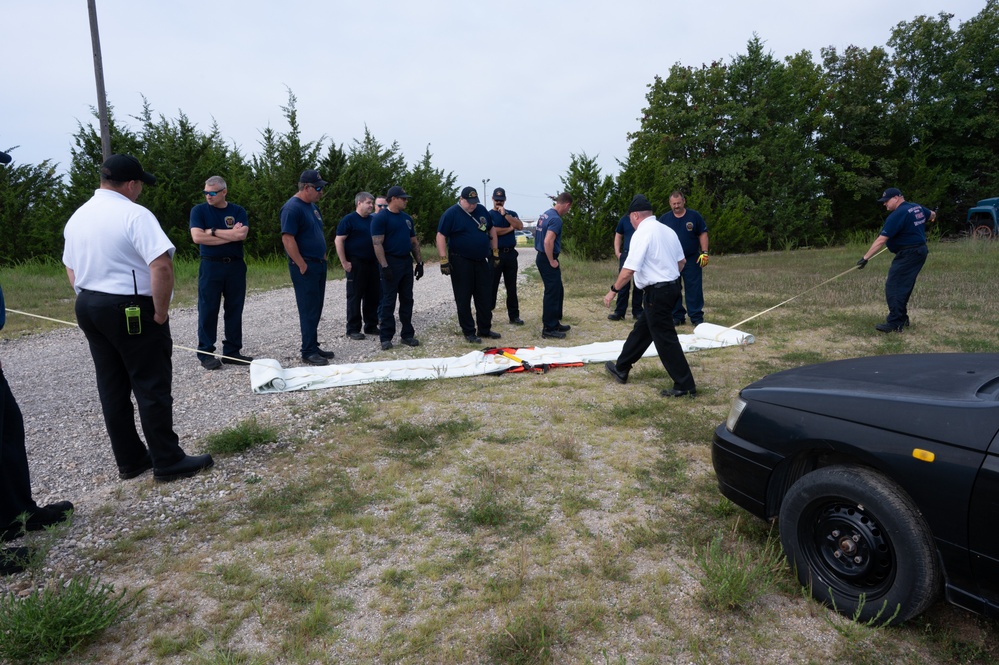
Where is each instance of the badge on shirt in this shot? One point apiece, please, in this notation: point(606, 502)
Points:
point(690, 226)
point(230, 221)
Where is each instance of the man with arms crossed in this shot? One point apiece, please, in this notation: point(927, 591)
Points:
point(220, 228)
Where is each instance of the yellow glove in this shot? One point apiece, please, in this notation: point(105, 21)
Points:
point(702, 260)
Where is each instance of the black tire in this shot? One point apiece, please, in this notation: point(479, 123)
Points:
point(858, 543)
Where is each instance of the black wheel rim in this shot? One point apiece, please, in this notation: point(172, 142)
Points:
point(848, 550)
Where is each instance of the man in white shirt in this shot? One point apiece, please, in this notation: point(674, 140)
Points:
point(655, 259)
point(120, 263)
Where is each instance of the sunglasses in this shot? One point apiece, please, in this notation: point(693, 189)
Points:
point(213, 194)
point(383, 205)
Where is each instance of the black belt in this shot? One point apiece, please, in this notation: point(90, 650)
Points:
point(308, 260)
point(910, 247)
point(396, 256)
point(504, 250)
point(222, 259)
point(659, 285)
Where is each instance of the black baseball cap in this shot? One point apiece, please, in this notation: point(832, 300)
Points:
point(124, 168)
point(312, 177)
point(470, 195)
point(890, 193)
point(396, 192)
point(4, 158)
point(639, 204)
point(499, 194)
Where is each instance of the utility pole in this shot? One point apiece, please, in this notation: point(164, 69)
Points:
point(485, 181)
point(102, 104)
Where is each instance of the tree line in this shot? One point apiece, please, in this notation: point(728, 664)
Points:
point(783, 154)
point(774, 153)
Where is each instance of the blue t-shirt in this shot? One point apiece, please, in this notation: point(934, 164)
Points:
point(206, 217)
point(906, 226)
point(357, 229)
point(3, 310)
point(549, 221)
point(499, 221)
point(303, 220)
point(397, 227)
point(626, 229)
point(467, 233)
point(688, 229)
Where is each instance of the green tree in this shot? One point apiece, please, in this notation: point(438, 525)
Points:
point(370, 167)
point(30, 220)
point(590, 222)
point(433, 192)
point(855, 135)
point(276, 171)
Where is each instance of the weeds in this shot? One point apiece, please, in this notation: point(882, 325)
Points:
point(526, 640)
point(243, 436)
point(57, 620)
point(733, 579)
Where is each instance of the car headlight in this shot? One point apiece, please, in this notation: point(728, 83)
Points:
point(734, 413)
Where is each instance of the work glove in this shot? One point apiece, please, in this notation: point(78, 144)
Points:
point(418, 271)
point(445, 267)
point(496, 259)
point(861, 263)
point(387, 274)
point(702, 260)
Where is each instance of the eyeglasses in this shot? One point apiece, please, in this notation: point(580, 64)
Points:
point(383, 205)
point(318, 189)
point(213, 194)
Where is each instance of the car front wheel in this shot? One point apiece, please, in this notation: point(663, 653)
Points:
point(859, 544)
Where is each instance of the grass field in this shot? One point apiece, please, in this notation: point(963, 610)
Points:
point(557, 518)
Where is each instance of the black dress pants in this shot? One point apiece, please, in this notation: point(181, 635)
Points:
point(131, 364)
point(472, 280)
point(655, 326)
point(15, 483)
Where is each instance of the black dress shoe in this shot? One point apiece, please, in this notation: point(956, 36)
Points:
point(14, 559)
point(129, 472)
point(185, 468)
point(517, 321)
point(473, 339)
point(316, 359)
point(673, 392)
point(386, 345)
point(887, 328)
point(237, 359)
point(54, 513)
point(210, 362)
point(326, 354)
point(614, 316)
point(553, 334)
point(489, 334)
point(356, 335)
point(371, 331)
point(679, 323)
point(410, 341)
point(619, 376)
point(563, 328)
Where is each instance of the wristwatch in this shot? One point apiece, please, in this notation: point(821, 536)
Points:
point(615, 290)
point(213, 231)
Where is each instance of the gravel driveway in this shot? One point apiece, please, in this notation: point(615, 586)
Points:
point(52, 378)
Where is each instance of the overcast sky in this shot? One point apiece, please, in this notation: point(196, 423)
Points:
point(501, 90)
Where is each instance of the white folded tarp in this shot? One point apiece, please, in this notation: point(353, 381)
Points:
point(267, 375)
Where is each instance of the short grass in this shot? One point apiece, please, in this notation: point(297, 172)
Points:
point(538, 518)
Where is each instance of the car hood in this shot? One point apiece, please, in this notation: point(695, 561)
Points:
point(949, 397)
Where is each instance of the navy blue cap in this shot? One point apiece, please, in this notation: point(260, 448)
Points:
point(470, 195)
point(312, 177)
point(890, 193)
point(396, 192)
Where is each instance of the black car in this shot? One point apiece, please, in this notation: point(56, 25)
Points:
point(884, 474)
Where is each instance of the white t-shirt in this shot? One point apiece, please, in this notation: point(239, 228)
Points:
point(654, 253)
point(107, 238)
